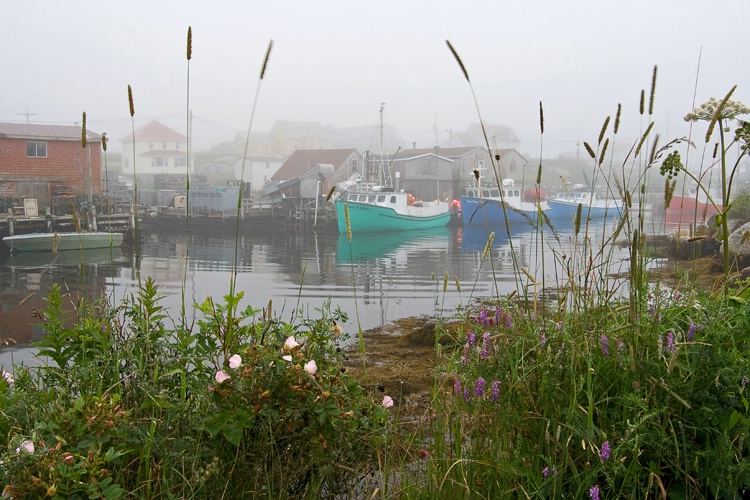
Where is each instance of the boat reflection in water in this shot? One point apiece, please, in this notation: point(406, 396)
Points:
point(366, 246)
point(70, 258)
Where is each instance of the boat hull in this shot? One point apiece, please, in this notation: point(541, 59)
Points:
point(482, 211)
point(366, 218)
point(567, 210)
point(688, 210)
point(51, 242)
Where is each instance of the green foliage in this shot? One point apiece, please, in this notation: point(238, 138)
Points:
point(534, 402)
point(124, 403)
point(740, 207)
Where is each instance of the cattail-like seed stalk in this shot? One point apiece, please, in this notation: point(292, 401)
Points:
point(190, 43)
point(643, 101)
point(445, 282)
point(604, 150)
point(539, 174)
point(330, 193)
point(541, 117)
point(577, 219)
point(488, 246)
point(603, 130)
point(669, 188)
point(130, 101)
point(653, 93)
point(718, 114)
point(643, 138)
point(348, 222)
point(458, 60)
point(617, 118)
point(589, 150)
point(83, 130)
point(266, 59)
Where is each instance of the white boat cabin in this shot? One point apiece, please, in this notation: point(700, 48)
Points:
point(493, 192)
point(385, 199)
point(401, 202)
point(575, 197)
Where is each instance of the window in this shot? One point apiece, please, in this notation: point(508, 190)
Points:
point(151, 145)
point(393, 200)
point(158, 161)
point(180, 162)
point(36, 149)
point(381, 198)
point(177, 145)
point(164, 145)
point(513, 165)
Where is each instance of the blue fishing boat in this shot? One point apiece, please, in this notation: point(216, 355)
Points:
point(565, 205)
point(488, 205)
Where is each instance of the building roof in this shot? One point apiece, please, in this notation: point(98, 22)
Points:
point(48, 132)
point(304, 159)
point(444, 152)
point(155, 131)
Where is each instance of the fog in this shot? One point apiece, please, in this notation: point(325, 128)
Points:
point(334, 62)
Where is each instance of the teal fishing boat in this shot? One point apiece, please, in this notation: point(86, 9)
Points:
point(375, 206)
point(372, 211)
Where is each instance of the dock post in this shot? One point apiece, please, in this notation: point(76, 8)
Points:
point(92, 214)
point(11, 226)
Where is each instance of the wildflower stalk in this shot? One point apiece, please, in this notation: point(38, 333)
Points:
point(185, 261)
point(135, 180)
point(495, 160)
point(233, 278)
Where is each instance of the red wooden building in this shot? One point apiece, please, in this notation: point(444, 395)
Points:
point(47, 161)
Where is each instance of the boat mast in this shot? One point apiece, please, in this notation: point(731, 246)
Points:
point(385, 172)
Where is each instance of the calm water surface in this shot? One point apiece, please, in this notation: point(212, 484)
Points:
point(375, 278)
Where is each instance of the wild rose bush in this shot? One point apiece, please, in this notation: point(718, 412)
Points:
point(591, 405)
point(126, 401)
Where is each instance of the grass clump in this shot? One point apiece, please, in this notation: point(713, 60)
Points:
point(593, 405)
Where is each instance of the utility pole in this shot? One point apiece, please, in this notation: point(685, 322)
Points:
point(27, 115)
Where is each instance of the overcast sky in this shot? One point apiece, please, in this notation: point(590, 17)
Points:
point(335, 61)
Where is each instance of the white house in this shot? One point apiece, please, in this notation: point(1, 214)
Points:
point(158, 150)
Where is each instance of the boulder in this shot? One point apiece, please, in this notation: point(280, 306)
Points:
point(739, 240)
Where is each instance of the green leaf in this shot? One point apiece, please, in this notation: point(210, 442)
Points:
point(733, 419)
point(233, 433)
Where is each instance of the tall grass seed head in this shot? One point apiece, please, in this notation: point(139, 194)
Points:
point(83, 130)
point(488, 245)
point(189, 43)
point(348, 222)
point(130, 101)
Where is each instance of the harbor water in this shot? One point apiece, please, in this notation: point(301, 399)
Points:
point(374, 278)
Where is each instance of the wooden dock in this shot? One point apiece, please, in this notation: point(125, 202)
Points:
point(11, 225)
